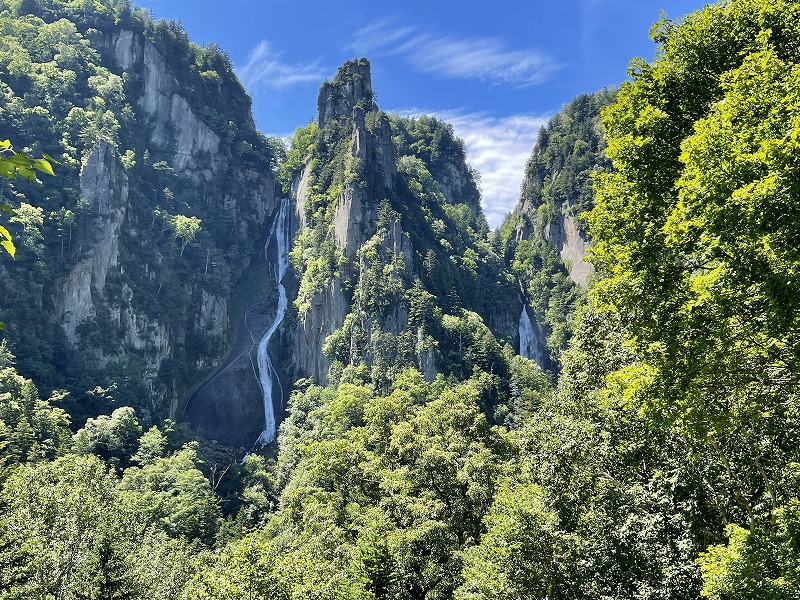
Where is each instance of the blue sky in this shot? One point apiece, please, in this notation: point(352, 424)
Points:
point(495, 70)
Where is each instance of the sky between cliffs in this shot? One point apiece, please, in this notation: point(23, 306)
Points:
point(495, 70)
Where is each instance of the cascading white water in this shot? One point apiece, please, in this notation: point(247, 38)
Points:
point(281, 233)
point(527, 336)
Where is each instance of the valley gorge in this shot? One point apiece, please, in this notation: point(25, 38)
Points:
point(235, 366)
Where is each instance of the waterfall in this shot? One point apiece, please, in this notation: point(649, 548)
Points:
point(528, 343)
point(281, 233)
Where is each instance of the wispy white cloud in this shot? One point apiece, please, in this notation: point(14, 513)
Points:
point(498, 148)
point(486, 59)
point(264, 68)
point(378, 35)
point(478, 58)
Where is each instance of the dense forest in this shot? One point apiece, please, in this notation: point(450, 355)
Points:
point(650, 449)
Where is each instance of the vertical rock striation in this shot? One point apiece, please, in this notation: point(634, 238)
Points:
point(175, 127)
point(104, 186)
point(371, 157)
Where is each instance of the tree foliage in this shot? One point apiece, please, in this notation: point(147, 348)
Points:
point(693, 233)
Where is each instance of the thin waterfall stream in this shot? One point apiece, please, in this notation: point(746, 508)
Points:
point(527, 337)
point(281, 233)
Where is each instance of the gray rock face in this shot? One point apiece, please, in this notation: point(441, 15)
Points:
point(78, 296)
point(212, 318)
point(143, 333)
point(356, 213)
point(352, 86)
point(128, 49)
point(562, 232)
point(300, 194)
point(426, 357)
point(326, 315)
point(105, 187)
point(384, 155)
point(456, 186)
point(372, 152)
point(175, 126)
point(573, 248)
point(354, 222)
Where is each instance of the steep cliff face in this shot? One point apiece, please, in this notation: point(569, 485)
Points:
point(150, 260)
point(457, 183)
point(176, 128)
point(156, 136)
point(368, 158)
point(351, 87)
point(545, 239)
point(193, 152)
point(105, 188)
point(390, 239)
point(561, 228)
point(228, 407)
point(557, 185)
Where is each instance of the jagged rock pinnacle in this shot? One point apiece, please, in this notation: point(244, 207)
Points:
point(351, 87)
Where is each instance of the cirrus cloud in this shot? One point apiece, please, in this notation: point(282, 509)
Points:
point(264, 68)
point(485, 59)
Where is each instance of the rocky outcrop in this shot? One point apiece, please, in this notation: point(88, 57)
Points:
point(564, 234)
point(458, 186)
point(383, 154)
point(326, 315)
point(299, 193)
point(573, 247)
point(175, 128)
point(372, 165)
point(354, 221)
point(147, 336)
point(212, 317)
point(351, 87)
point(373, 162)
point(128, 48)
point(104, 186)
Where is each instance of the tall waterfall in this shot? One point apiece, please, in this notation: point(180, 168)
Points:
point(281, 233)
point(528, 344)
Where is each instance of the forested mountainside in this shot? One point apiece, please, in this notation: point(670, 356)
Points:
point(344, 296)
point(143, 265)
point(544, 241)
point(128, 264)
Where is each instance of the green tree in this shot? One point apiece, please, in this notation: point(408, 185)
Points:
point(113, 438)
point(515, 557)
point(13, 164)
point(756, 565)
point(173, 493)
point(53, 510)
point(693, 235)
point(185, 229)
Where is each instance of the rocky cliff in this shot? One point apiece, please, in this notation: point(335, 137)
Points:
point(156, 134)
point(150, 258)
point(175, 127)
point(557, 188)
point(545, 239)
point(390, 226)
point(104, 186)
point(343, 104)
